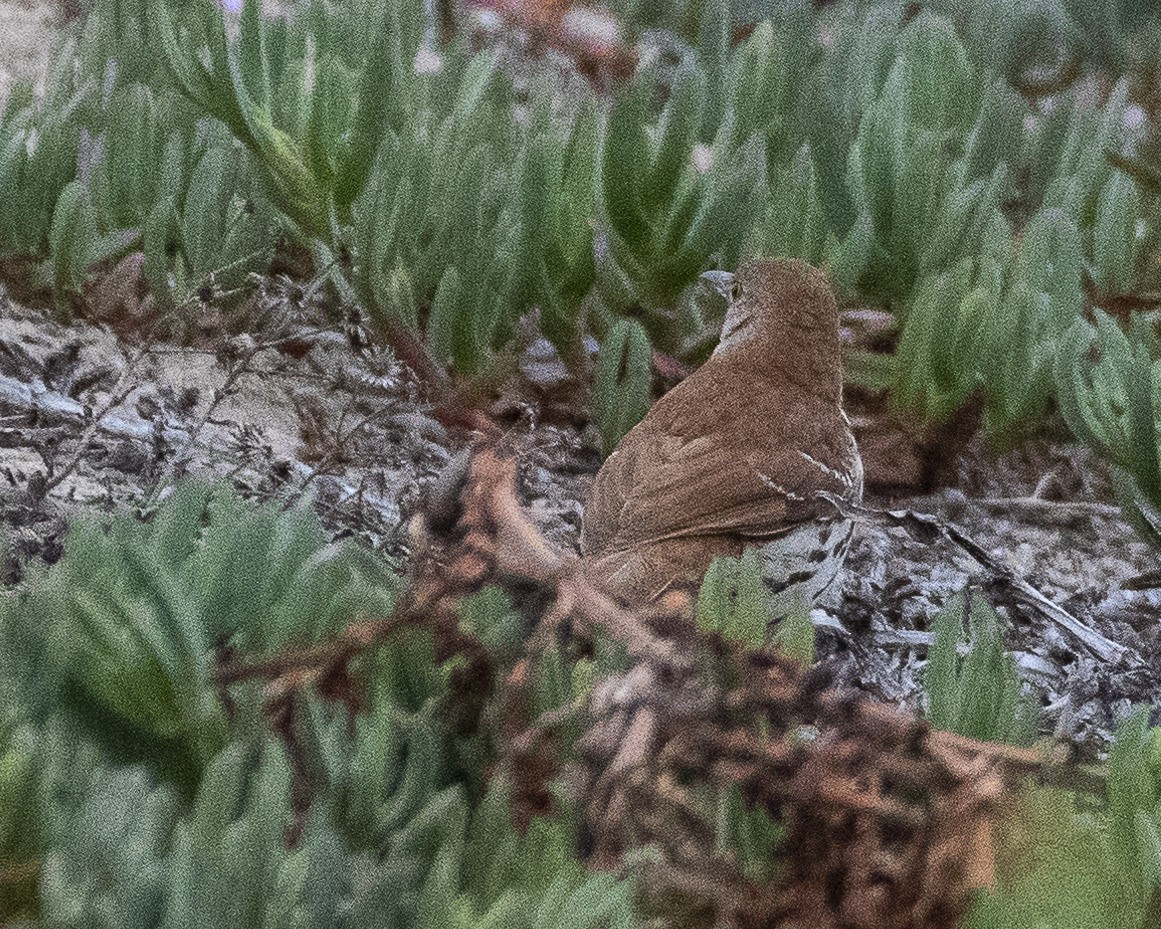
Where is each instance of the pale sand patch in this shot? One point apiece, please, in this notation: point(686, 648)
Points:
point(28, 34)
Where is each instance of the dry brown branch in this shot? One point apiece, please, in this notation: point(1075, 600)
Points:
point(315, 659)
point(888, 822)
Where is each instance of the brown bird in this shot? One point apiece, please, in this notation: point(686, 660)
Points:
point(744, 452)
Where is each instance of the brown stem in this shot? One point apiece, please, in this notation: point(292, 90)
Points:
point(355, 637)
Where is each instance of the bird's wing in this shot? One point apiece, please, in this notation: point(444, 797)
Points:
point(666, 485)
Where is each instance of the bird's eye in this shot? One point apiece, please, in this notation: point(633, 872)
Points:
point(735, 291)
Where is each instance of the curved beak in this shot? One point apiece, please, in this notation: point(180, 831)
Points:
point(721, 281)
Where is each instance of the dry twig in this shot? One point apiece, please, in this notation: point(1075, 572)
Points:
point(888, 822)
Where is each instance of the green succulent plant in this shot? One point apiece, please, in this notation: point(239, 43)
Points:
point(1108, 383)
point(208, 225)
point(665, 218)
point(978, 694)
point(622, 381)
point(123, 630)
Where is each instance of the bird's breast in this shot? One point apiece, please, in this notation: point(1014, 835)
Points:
point(802, 565)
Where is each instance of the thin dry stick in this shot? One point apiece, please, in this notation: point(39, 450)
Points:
point(1052, 507)
point(925, 527)
point(354, 638)
point(1100, 645)
point(115, 400)
point(339, 441)
point(240, 366)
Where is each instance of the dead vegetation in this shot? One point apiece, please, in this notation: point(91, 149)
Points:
point(887, 822)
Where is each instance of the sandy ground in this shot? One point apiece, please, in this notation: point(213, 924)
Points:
point(27, 34)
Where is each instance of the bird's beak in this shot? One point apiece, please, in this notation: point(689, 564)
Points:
point(721, 281)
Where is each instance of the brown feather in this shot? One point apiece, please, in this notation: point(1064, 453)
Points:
point(704, 472)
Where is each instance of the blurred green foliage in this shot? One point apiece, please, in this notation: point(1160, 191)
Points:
point(1086, 867)
point(621, 381)
point(136, 792)
point(978, 694)
point(1113, 402)
point(734, 601)
point(122, 634)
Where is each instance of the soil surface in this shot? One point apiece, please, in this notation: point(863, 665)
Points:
point(90, 423)
point(28, 33)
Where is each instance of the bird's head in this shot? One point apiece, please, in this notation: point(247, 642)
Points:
point(769, 296)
